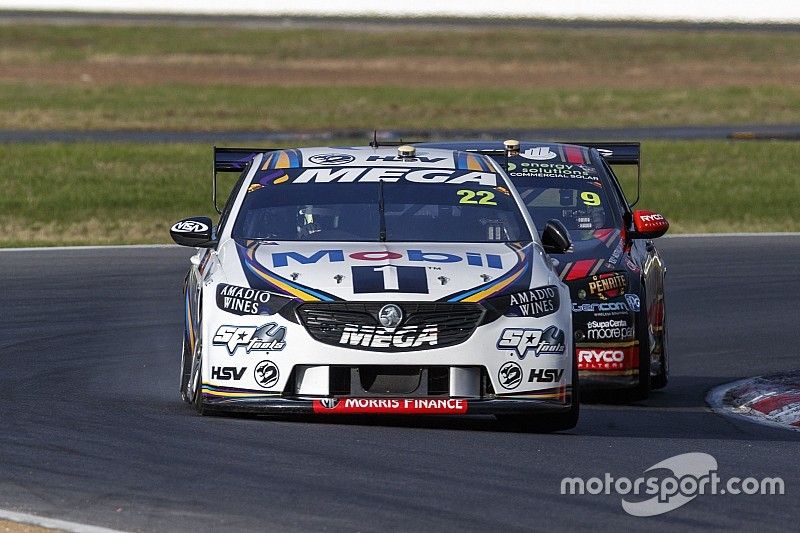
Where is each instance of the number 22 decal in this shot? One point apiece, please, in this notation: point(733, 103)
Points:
point(468, 197)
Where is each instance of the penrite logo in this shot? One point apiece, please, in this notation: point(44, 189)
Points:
point(523, 340)
point(608, 285)
point(269, 337)
point(405, 337)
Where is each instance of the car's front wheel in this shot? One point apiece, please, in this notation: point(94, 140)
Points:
point(548, 422)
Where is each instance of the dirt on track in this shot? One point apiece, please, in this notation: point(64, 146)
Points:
point(410, 72)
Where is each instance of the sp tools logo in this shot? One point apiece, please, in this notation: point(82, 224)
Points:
point(523, 340)
point(269, 337)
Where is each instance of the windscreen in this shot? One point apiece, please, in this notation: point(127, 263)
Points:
point(572, 193)
point(372, 204)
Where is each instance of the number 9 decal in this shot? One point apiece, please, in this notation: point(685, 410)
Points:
point(590, 198)
point(468, 197)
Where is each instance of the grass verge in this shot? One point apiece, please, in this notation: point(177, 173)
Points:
point(85, 193)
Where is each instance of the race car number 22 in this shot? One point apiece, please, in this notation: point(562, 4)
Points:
point(469, 197)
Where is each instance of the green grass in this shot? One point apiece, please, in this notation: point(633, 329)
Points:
point(223, 107)
point(131, 193)
point(22, 43)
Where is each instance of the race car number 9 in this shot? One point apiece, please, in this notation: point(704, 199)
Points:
point(469, 197)
point(590, 198)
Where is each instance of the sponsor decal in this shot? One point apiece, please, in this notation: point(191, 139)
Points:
point(189, 226)
point(609, 285)
point(545, 375)
point(333, 255)
point(394, 174)
point(609, 330)
point(389, 278)
point(226, 373)
point(390, 316)
point(601, 308)
point(405, 337)
point(331, 159)
point(633, 302)
point(266, 338)
point(266, 374)
point(429, 406)
point(615, 255)
point(510, 375)
point(552, 170)
point(246, 301)
point(397, 158)
point(608, 358)
point(539, 153)
point(651, 218)
point(538, 302)
point(522, 340)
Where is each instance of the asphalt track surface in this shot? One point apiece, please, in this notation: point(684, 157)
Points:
point(93, 430)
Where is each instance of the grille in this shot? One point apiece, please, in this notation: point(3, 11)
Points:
point(425, 325)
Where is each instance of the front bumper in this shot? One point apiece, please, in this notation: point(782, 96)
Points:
point(386, 406)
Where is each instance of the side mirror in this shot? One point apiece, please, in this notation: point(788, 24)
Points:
point(194, 231)
point(555, 237)
point(648, 225)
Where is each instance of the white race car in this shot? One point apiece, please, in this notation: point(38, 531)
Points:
point(376, 280)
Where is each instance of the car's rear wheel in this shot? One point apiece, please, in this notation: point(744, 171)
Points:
point(548, 422)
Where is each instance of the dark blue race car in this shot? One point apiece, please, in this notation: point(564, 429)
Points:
point(613, 269)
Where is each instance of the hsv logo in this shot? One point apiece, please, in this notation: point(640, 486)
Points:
point(510, 375)
point(281, 259)
point(266, 374)
point(189, 226)
point(400, 406)
point(545, 375)
point(539, 153)
point(268, 337)
point(523, 340)
point(225, 373)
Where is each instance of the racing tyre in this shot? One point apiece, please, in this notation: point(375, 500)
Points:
point(186, 372)
point(197, 401)
point(642, 389)
point(548, 422)
point(659, 381)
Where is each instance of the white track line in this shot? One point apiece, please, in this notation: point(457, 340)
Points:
point(52, 523)
point(715, 398)
point(145, 246)
point(93, 247)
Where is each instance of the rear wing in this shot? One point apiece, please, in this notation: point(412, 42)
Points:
point(614, 153)
point(621, 153)
point(232, 160)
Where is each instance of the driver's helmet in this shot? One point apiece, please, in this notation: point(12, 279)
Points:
point(311, 220)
